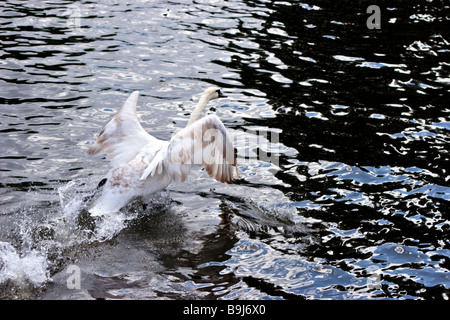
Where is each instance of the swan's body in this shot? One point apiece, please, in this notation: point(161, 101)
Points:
point(143, 165)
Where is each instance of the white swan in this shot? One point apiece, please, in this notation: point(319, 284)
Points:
point(142, 164)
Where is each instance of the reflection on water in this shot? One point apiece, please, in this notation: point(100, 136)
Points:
point(355, 207)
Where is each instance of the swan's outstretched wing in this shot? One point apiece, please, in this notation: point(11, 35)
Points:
point(206, 142)
point(123, 137)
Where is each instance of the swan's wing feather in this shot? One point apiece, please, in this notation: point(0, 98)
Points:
point(206, 142)
point(157, 163)
point(123, 137)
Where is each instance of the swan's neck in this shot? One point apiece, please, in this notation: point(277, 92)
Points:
point(198, 109)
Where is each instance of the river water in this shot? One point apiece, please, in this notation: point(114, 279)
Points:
point(342, 133)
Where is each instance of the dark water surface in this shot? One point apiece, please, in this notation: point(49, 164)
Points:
point(342, 132)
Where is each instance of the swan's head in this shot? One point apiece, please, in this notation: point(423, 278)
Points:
point(207, 95)
point(213, 93)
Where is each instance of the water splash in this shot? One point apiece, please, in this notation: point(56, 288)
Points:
point(31, 266)
point(49, 236)
point(21, 271)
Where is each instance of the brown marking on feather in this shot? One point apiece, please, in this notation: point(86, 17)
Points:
point(102, 138)
point(116, 119)
point(93, 150)
point(221, 172)
point(101, 132)
point(97, 147)
point(223, 158)
point(128, 176)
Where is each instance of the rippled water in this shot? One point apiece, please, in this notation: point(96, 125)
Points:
point(351, 202)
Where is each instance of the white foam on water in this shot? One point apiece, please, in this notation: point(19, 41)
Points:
point(70, 203)
point(107, 227)
point(46, 232)
point(29, 267)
